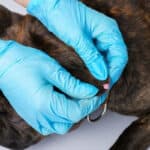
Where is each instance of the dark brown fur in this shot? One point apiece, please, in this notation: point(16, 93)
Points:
point(129, 96)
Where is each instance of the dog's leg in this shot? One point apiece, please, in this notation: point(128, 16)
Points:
point(136, 136)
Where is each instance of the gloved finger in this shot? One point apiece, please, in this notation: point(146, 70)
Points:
point(73, 110)
point(62, 79)
point(113, 45)
point(91, 57)
point(116, 62)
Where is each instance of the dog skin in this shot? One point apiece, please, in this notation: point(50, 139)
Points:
point(130, 95)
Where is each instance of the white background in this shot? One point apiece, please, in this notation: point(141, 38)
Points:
point(96, 136)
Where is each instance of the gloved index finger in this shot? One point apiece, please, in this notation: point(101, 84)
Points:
point(116, 52)
point(62, 79)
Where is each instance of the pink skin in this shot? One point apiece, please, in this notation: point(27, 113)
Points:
point(106, 86)
point(23, 2)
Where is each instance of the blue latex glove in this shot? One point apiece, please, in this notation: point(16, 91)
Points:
point(77, 25)
point(27, 77)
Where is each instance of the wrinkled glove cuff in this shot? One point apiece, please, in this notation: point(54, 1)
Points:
point(37, 7)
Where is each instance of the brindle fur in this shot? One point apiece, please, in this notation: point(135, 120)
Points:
point(129, 96)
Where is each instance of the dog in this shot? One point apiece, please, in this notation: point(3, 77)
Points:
point(129, 96)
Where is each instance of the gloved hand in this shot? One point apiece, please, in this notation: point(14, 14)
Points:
point(77, 25)
point(27, 79)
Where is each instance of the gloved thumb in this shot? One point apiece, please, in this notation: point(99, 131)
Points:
point(92, 58)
